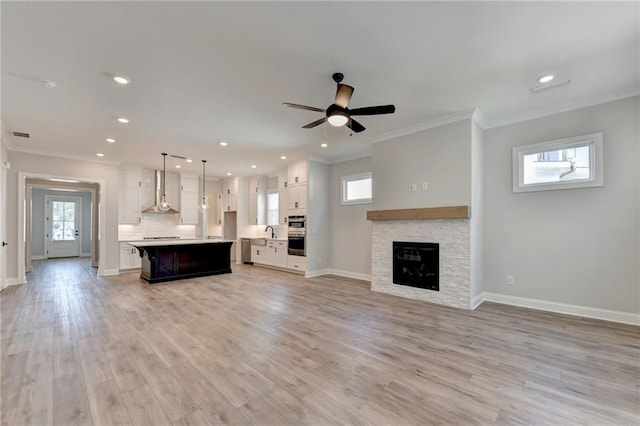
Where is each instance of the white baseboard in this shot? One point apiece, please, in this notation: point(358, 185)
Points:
point(318, 273)
point(38, 257)
point(85, 254)
point(109, 272)
point(349, 274)
point(562, 308)
point(476, 301)
point(8, 282)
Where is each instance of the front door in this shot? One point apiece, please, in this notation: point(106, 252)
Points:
point(62, 236)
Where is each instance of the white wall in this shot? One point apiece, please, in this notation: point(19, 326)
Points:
point(318, 221)
point(440, 156)
point(38, 212)
point(577, 246)
point(350, 249)
point(39, 165)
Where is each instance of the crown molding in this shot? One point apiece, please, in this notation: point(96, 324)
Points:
point(355, 156)
point(318, 159)
point(557, 109)
point(441, 121)
point(62, 155)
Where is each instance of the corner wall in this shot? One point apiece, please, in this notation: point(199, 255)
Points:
point(577, 247)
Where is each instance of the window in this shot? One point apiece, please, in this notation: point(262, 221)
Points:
point(272, 208)
point(561, 164)
point(356, 189)
point(63, 222)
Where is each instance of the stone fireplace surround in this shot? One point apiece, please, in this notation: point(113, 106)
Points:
point(448, 226)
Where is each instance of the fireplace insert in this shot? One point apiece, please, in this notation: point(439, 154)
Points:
point(416, 264)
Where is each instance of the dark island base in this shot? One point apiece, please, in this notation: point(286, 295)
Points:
point(161, 263)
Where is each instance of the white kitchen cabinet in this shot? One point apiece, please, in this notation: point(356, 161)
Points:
point(297, 263)
point(257, 200)
point(229, 202)
point(297, 173)
point(129, 257)
point(230, 186)
point(129, 196)
point(297, 197)
point(262, 255)
point(283, 197)
point(189, 200)
point(280, 255)
point(147, 188)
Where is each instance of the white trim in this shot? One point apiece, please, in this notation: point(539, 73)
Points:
point(38, 257)
point(8, 282)
point(476, 301)
point(318, 159)
point(20, 231)
point(88, 254)
point(349, 274)
point(344, 180)
point(318, 273)
point(567, 106)
point(48, 198)
point(441, 121)
point(355, 156)
point(563, 308)
point(108, 272)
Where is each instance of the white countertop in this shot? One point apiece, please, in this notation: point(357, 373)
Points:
point(154, 243)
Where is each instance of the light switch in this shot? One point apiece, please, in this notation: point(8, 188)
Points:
point(413, 186)
point(425, 186)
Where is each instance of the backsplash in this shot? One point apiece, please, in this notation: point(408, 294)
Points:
point(156, 226)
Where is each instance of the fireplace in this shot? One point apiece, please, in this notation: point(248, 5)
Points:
point(416, 265)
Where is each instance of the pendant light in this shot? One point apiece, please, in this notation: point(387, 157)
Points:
point(203, 206)
point(164, 205)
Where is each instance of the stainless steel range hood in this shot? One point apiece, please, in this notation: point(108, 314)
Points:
point(161, 206)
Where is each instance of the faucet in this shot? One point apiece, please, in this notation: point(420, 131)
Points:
point(273, 234)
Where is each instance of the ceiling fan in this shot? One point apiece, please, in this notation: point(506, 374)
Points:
point(337, 114)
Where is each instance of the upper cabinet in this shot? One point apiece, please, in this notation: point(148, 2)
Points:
point(297, 188)
point(297, 173)
point(129, 196)
point(147, 188)
point(257, 200)
point(189, 200)
point(283, 197)
point(229, 199)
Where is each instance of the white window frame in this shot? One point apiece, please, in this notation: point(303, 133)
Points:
point(595, 142)
point(344, 180)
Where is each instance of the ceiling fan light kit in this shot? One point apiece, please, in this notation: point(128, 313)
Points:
point(338, 114)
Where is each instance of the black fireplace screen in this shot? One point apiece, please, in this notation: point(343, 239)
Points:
point(416, 265)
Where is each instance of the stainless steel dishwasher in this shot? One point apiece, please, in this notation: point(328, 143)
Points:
point(246, 251)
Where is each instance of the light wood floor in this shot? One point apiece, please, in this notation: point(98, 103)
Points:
point(270, 348)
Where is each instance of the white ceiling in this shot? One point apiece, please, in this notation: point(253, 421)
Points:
point(204, 72)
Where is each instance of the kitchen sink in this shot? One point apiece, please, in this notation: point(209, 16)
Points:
point(259, 241)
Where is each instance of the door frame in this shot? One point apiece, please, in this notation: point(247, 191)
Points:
point(48, 198)
point(98, 200)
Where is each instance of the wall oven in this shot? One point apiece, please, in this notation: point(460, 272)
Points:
point(297, 235)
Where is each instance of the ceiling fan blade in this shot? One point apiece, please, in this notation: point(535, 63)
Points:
point(343, 95)
point(373, 110)
point(308, 108)
point(315, 123)
point(354, 125)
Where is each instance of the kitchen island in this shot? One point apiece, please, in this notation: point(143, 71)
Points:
point(168, 260)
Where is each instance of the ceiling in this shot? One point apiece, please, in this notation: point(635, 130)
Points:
point(205, 72)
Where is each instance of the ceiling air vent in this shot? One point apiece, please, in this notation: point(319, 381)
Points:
point(21, 135)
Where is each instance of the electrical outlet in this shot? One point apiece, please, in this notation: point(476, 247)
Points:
point(425, 186)
point(509, 279)
point(413, 186)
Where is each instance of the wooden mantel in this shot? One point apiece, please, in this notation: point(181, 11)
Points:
point(450, 212)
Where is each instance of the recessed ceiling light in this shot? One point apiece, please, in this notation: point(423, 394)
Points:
point(253, 166)
point(228, 173)
point(223, 143)
point(110, 140)
point(123, 120)
point(283, 157)
point(120, 79)
point(324, 145)
point(178, 166)
point(189, 160)
point(99, 154)
point(546, 78)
